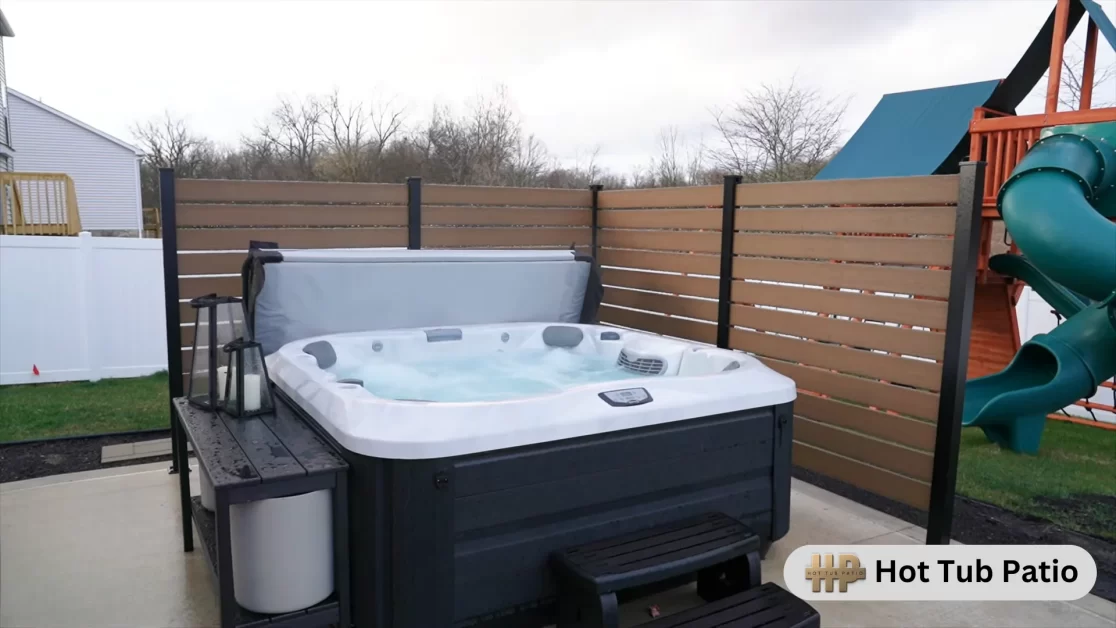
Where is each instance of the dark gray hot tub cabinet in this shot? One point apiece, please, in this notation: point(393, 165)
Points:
point(465, 541)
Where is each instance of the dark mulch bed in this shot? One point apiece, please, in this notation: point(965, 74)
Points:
point(23, 461)
point(980, 523)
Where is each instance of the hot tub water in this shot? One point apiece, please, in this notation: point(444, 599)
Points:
point(495, 376)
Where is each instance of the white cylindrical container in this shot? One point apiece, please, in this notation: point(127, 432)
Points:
point(208, 498)
point(282, 552)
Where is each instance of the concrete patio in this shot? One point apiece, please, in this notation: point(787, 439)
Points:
point(102, 548)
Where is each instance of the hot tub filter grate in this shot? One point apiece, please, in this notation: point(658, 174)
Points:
point(641, 365)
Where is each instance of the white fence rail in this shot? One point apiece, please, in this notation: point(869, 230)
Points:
point(80, 308)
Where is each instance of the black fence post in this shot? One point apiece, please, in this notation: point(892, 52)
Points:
point(594, 192)
point(414, 213)
point(170, 300)
point(955, 361)
point(728, 229)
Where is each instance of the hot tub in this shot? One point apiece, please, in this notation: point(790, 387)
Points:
point(452, 391)
point(478, 448)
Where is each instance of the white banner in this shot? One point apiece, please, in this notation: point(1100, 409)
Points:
point(940, 572)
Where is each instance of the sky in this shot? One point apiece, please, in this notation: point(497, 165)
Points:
point(583, 76)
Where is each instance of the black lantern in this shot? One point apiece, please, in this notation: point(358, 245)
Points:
point(217, 321)
point(247, 391)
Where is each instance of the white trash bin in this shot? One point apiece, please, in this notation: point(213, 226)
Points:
point(282, 552)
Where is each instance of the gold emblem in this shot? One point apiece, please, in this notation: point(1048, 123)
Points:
point(846, 569)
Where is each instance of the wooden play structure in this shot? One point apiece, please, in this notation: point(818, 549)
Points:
point(932, 131)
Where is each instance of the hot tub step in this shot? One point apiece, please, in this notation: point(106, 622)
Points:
point(769, 606)
point(721, 551)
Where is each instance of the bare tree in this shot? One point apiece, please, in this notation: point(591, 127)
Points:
point(168, 143)
point(678, 163)
point(387, 121)
point(778, 133)
point(1073, 80)
point(529, 164)
point(347, 140)
point(294, 133)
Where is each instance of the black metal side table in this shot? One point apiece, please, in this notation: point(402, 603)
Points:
point(249, 459)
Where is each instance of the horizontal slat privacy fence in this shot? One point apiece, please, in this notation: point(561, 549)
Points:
point(455, 216)
point(660, 249)
point(859, 290)
point(841, 285)
point(857, 318)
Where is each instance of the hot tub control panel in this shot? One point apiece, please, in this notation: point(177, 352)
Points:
point(626, 397)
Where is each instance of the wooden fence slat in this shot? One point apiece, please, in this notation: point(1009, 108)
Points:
point(653, 260)
point(187, 364)
point(924, 344)
point(910, 432)
point(905, 311)
point(210, 263)
point(867, 477)
point(917, 281)
point(884, 250)
point(505, 216)
point(916, 403)
point(696, 196)
point(479, 195)
point(709, 219)
point(695, 241)
point(190, 287)
point(291, 216)
point(892, 220)
point(895, 369)
point(238, 239)
point(678, 284)
point(503, 237)
point(908, 462)
point(668, 326)
point(928, 190)
point(229, 191)
point(665, 303)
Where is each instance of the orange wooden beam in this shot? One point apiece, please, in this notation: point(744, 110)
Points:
point(1079, 421)
point(1057, 46)
point(1089, 71)
point(1042, 120)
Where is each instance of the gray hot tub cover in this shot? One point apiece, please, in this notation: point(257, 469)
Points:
point(300, 294)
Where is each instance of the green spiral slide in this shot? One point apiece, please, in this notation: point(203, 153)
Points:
point(1057, 206)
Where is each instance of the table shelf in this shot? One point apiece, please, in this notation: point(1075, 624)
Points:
point(263, 457)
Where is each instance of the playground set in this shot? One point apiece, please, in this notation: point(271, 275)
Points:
point(1051, 180)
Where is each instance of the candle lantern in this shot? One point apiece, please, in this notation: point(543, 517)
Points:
point(217, 321)
point(246, 390)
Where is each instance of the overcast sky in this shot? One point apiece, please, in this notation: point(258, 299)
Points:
point(581, 74)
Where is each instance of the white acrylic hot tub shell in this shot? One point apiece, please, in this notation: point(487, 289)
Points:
point(372, 426)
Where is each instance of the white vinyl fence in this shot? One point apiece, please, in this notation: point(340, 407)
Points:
point(80, 308)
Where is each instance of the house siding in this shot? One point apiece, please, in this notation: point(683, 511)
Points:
point(4, 139)
point(105, 174)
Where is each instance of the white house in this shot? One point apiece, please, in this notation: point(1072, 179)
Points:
point(5, 139)
point(105, 170)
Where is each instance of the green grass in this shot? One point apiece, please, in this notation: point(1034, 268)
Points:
point(77, 408)
point(1074, 460)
